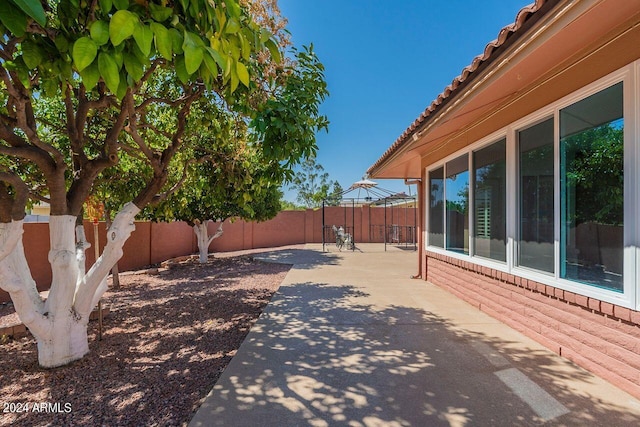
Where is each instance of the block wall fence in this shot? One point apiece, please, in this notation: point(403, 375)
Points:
point(152, 242)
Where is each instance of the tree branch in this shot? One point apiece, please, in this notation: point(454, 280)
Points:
point(74, 129)
point(16, 279)
point(118, 233)
point(218, 233)
point(25, 304)
point(10, 234)
point(148, 73)
point(21, 194)
point(150, 193)
point(81, 186)
point(26, 120)
point(132, 130)
point(155, 129)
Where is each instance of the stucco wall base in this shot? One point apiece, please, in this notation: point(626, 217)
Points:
point(600, 337)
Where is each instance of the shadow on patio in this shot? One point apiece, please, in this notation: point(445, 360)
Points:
point(304, 259)
point(321, 355)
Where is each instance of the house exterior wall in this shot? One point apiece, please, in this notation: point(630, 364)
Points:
point(599, 330)
point(601, 337)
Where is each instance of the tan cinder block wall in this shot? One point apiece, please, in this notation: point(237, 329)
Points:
point(153, 242)
point(601, 337)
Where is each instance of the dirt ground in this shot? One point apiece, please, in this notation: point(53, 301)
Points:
point(166, 341)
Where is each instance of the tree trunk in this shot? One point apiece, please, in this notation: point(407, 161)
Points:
point(60, 324)
point(204, 240)
point(67, 341)
point(115, 272)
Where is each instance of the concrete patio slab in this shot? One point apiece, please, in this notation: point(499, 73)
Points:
point(350, 339)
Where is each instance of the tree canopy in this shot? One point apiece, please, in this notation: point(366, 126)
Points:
point(114, 67)
point(313, 185)
point(100, 97)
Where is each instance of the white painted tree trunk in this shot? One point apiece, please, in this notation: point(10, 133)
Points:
point(60, 324)
point(204, 240)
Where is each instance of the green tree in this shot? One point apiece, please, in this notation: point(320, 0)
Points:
point(594, 166)
point(286, 205)
point(125, 75)
point(311, 183)
point(335, 195)
point(231, 179)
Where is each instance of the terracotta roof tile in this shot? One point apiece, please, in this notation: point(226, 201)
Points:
point(522, 16)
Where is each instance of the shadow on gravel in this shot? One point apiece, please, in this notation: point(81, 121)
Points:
point(166, 341)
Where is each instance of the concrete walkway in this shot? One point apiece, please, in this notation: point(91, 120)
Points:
point(350, 340)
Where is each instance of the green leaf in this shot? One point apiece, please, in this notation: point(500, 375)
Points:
point(33, 9)
point(100, 32)
point(233, 48)
point(243, 73)
point(143, 35)
point(160, 13)
point(234, 81)
point(233, 26)
point(23, 73)
point(65, 68)
point(133, 66)
point(233, 7)
point(90, 76)
point(222, 62)
point(245, 47)
point(122, 25)
point(117, 56)
point(122, 88)
point(13, 18)
point(121, 4)
point(181, 70)
point(84, 52)
point(106, 6)
point(227, 67)
point(211, 65)
point(109, 71)
point(176, 41)
point(163, 40)
point(31, 54)
point(193, 48)
point(61, 43)
point(50, 87)
point(193, 57)
point(142, 58)
point(274, 50)
point(220, 17)
point(264, 35)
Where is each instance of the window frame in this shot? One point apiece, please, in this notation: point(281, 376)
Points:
point(630, 296)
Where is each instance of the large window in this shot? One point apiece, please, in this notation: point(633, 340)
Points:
point(457, 204)
point(436, 207)
point(490, 208)
point(536, 209)
point(551, 199)
point(592, 189)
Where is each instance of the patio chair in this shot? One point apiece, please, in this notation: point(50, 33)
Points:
point(342, 239)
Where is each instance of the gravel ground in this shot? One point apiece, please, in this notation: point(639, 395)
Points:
point(167, 339)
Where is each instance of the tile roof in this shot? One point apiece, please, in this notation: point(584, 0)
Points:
point(523, 15)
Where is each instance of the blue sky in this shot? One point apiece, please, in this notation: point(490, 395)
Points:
point(386, 61)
